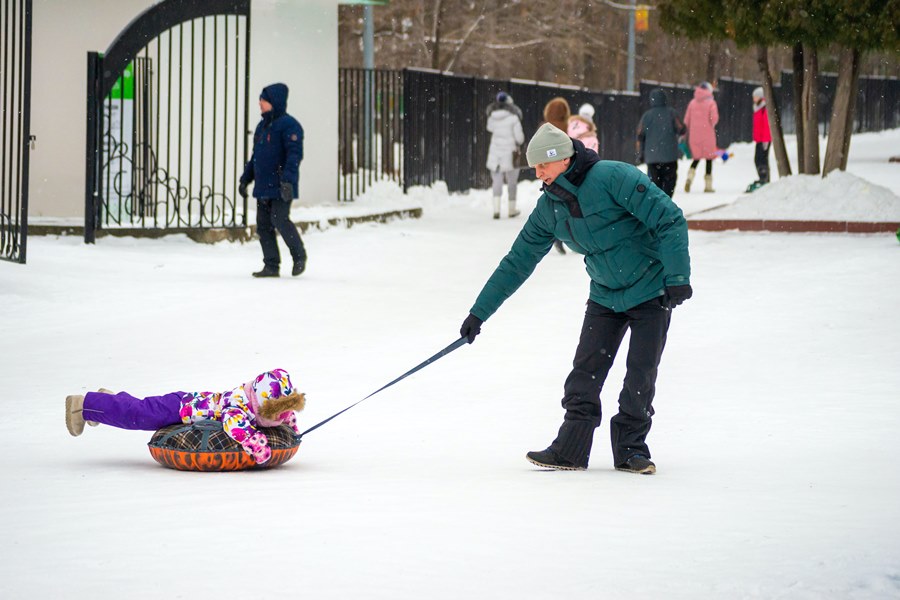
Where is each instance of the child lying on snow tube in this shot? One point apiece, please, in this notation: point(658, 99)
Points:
point(267, 401)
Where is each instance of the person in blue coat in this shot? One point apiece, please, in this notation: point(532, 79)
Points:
point(635, 245)
point(274, 170)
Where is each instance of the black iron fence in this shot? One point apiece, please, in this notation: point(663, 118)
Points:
point(439, 120)
point(15, 125)
point(877, 103)
point(370, 117)
point(167, 120)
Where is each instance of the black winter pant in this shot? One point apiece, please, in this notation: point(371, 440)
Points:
point(761, 158)
point(272, 214)
point(664, 176)
point(708, 165)
point(601, 335)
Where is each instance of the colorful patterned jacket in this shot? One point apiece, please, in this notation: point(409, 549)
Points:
point(238, 410)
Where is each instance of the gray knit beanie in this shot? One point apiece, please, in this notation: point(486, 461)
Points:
point(549, 144)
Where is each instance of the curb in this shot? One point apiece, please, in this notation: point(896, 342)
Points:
point(218, 234)
point(793, 226)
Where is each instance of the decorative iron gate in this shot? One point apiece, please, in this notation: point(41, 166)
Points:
point(167, 120)
point(15, 125)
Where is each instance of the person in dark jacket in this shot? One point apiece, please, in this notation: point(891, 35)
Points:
point(657, 141)
point(274, 170)
point(635, 243)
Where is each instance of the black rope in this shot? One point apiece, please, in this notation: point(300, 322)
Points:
point(461, 341)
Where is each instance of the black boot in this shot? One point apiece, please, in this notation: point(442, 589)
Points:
point(551, 460)
point(299, 267)
point(571, 450)
point(267, 271)
point(638, 464)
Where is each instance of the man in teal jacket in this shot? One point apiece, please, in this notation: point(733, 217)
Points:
point(635, 242)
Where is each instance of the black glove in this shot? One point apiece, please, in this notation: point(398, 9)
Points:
point(470, 328)
point(242, 190)
point(677, 294)
point(287, 191)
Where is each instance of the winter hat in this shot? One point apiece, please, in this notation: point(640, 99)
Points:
point(758, 93)
point(557, 112)
point(275, 395)
point(705, 85)
point(502, 97)
point(549, 144)
point(586, 111)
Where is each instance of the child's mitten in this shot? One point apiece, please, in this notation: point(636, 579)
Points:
point(258, 447)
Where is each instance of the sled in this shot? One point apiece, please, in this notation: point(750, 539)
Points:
point(204, 446)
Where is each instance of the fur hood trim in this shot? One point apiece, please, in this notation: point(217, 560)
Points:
point(267, 387)
point(278, 409)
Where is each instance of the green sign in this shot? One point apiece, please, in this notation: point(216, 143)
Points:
point(124, 86)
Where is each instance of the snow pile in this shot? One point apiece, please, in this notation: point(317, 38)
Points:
point(379, 197)
point(841, 196)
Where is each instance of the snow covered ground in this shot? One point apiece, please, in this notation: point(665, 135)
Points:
point(775, 434)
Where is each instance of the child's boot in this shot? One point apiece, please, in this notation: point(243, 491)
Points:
point(74, 418)
point(690, 179)
point(496, 207)
point(709, 187)
point(513, 211)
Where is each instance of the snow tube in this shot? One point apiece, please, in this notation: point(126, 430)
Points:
point(204, 446)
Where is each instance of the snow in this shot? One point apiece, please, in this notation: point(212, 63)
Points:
point(775, 433)
point(838, 197)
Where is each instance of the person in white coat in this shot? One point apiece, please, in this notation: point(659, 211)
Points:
point(504, 123)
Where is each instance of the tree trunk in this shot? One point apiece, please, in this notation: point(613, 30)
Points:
point(711, 60)
point(436, 35)
point(798, 102)
point(851, 112)
point(841, 127)
point(781, 157)
point(810, 110)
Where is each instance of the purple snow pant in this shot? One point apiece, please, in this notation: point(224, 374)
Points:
point(124, 411)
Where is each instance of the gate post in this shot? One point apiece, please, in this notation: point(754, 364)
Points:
point(92, 143)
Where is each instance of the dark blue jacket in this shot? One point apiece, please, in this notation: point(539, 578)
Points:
point(659, 130)
point(277, 147)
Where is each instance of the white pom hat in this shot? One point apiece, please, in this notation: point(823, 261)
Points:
point(586, 111)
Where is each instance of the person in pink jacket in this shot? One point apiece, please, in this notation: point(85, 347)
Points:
point(700, 118)
point(763, 138)
point(268, 400)
point(582, 128)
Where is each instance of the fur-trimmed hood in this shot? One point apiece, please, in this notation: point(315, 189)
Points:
point(273, 397)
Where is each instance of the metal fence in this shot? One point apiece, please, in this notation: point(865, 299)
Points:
point(877, 103)
point(167, 120)
point(15, 124)
point(444, 119)
point(370, 117)
point(445, 124)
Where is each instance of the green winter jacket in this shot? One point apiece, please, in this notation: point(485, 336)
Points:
point(634, 238)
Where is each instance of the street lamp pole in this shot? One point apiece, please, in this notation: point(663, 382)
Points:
point(629, 85)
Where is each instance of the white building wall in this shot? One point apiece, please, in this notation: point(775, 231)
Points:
point(296, 42)
point(292, 41)
point(63, 33)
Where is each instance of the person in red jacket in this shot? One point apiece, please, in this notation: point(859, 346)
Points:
point(763, 138)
